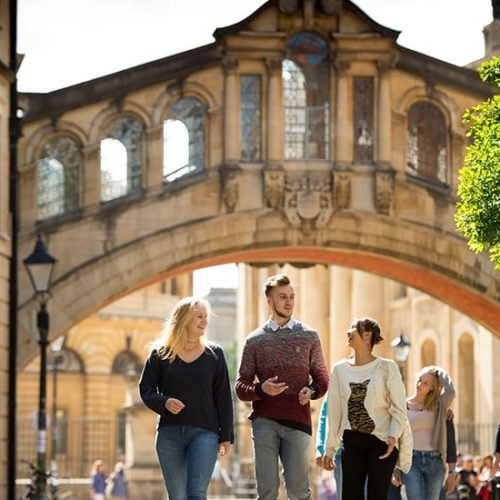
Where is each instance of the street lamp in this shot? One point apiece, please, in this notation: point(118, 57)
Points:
point(57, 359)
point(401, 349)
point(39, 266)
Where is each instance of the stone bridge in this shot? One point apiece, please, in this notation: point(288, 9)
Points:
point(366, 191)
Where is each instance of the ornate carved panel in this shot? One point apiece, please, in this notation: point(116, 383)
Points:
point(342, 190)
point(274, 185)
point(230, 190)
point(384, 196)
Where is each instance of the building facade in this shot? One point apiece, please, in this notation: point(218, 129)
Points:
point(305, 139)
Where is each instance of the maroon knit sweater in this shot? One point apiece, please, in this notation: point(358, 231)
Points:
point(295, 357)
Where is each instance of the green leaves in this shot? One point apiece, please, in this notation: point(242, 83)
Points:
point(478, 211)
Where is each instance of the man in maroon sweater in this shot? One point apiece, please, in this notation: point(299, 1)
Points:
point(282, 368)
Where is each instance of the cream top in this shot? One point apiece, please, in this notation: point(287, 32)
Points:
point(377, 405)
point(422, 426)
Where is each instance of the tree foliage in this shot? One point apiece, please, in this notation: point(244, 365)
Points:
point(478, 210)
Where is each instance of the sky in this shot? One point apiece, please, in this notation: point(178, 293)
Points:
point(66, 42)
point(70, 41)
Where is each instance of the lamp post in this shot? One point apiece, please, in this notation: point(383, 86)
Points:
point(401, 349)
point(57, 359)
point(39, 266)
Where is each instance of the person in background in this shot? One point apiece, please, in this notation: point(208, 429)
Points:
point(185, 381)
point(427, 412)
point(98, 480)
point(367, 412)
point(282, 368)
point(116, 480)
point(320, 448)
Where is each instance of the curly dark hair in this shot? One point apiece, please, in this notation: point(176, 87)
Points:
point(369, 325)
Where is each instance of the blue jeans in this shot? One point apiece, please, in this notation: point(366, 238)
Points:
point(337, 473)
point(273, 442)
point(187, 458)
point(425, 478)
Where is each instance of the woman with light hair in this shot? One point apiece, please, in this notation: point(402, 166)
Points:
point(427, 413)
point(185, 381)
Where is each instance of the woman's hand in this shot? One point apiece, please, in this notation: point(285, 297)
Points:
point(391, 443)
point(328, 463)
point(174, 406)
point(450, 483)
point(224, 448)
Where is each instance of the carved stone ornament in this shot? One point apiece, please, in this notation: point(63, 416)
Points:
point(230, 190)
point(342, 190)
point(331, 7)
point(274, 185)
point(288, 6)
point(384, 185)
point(308, 199)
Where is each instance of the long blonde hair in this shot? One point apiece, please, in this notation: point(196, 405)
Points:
point(173, 337)
point(432, 397)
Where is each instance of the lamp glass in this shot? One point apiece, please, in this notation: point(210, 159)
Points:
point(40, 276)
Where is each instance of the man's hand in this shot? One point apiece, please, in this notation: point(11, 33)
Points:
point(391, 442)
point(305, 395)
point(273, 388)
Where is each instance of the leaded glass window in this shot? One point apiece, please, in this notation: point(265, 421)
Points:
point(183, 138)
point(305, 94)
point(250, 117)
point(427, 142)
point(363, 118)
point(58, 171)
point(121, 156)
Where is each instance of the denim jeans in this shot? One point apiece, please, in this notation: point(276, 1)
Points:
point(273, 442)
point(187, 458)
point(425, 478)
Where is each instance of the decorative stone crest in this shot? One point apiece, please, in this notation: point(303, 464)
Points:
point(230, 190)
point(308, 199)
point(384, 195)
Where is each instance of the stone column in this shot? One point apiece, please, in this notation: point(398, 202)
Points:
point(343, 125)
point(153, 174)
point(91, 178)
point(340, 311)
point(231, 111)
point(142, 469)
point(274, 123)
point(384, 114)
point(368, 299)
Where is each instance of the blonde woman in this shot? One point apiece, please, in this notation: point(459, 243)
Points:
point(185, 381)
point(427, 411)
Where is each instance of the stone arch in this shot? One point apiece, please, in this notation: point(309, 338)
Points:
point(442, 101)
point(103, 278)
point(188, 89)
point(41, 135)
point(105, 117)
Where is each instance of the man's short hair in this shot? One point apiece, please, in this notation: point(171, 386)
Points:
point(274, 281)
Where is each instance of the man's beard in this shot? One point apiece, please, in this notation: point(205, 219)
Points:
point(282, 315)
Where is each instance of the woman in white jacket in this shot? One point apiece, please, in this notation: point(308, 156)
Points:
point(367, 412)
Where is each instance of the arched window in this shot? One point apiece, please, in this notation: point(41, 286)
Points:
point(58, 170)
point(427, 142)
point(121, 153)
point(126, 363)
point(183, 138)
point(306, 97)
point(428, 353)
point(66, 360)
